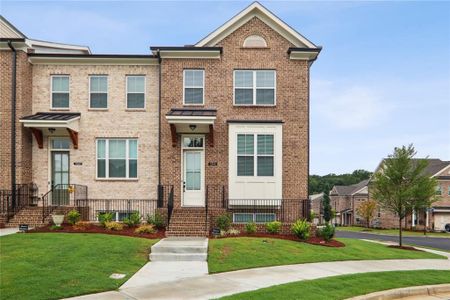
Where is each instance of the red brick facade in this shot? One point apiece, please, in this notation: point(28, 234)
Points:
point(292, 104)
point(23, 108)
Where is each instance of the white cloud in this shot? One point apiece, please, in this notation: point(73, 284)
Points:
point(348, 106)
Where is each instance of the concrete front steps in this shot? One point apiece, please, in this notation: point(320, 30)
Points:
point(180, 249)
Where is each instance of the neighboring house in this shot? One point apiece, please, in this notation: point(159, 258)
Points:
point(317, 207)
point(345, 200)
point(438, 217)
point(195, 131)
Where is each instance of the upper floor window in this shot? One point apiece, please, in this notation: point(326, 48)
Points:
point(194, 84)
point(449, 190)
point(136, 91)
point(117, 158)
point(438, 190)
point(254, 87)
point(60, 91)
point(255, 41)
point(246, 155)
point(98, 91)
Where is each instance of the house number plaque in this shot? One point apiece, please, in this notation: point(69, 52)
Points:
point(77, 163)
point(212, 163)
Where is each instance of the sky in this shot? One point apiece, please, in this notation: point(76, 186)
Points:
point(382, 79)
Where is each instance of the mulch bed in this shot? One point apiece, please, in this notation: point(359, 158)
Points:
point(127, 231)
point(404, 248)
point(314, 240)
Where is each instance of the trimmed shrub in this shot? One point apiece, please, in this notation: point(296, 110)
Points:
point(146, 228)
point(327, 232)
point(115, 226)
point(81, 225)
point(73, 216)
point(56, 227)
point(104, 218)
point(250, 227)
point(132, 220)
point(157, 220)
point(223, 222)
point(273, 227)
point(301, 229)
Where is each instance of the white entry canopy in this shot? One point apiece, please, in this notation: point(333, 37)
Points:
point(47, 123)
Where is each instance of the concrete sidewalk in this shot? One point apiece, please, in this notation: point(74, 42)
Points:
point(222, 284)
point(8, 231)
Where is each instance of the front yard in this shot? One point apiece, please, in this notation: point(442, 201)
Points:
point(56, 265)
point(242, 253)
point(393, 232)
point(346, 286)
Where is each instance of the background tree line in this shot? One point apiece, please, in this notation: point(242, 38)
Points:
point(319, 184)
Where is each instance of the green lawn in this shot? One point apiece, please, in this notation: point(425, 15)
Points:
point(242, 253)
point(55, 265)
point(345, 286)
point(392, 231)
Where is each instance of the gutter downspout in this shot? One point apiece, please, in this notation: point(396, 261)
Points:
point(159, 124)
point(13, 124)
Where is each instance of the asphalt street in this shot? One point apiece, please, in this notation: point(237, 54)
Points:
point(433, 242)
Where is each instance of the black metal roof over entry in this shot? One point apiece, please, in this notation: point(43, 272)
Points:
point(189, 112)
point(52, 116)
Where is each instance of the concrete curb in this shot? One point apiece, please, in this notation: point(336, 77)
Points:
point(424, 290)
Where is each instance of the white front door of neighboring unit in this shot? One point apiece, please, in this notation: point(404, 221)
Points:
point(193, 172)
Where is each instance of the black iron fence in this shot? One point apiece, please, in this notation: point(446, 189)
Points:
point(62, 196)
point(90, 209)
point(26, 194)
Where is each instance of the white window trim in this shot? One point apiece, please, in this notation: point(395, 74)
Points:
point(255, 88)
point(253, 217)
point(107, 96)
point(127, 159)
point(255, 154)
point(126, 93)
point(255, 187)
point(51, 92)
point(194, 87)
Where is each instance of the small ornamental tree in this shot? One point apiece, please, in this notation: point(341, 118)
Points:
point(327, 214)
point(402, 185)
point(366, 210)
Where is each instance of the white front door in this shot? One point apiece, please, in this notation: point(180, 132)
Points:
point(193, 178)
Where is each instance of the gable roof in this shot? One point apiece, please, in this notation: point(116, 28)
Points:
point(8, 30)
point(435, 165)
point(257, 10)
point(348, 190)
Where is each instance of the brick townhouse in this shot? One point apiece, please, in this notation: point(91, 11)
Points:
point(221, 126)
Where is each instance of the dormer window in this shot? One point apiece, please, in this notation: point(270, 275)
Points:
point(255, 41)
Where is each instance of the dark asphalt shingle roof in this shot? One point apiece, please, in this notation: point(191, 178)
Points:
point(196, 112)
point(346, 190)
point(52, 116)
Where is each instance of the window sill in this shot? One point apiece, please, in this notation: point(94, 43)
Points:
point(60, 109)
point(98, 109)
point(117, 179)
point(256, 105)
point(135, 109)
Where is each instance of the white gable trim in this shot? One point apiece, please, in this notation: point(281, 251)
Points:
point(441, 171)
point(259, 11)
point(7, 30)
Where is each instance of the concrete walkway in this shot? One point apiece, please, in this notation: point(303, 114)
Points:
point(222, 284)
point(8, 231)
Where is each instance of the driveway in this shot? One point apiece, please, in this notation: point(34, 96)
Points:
point(438, 243)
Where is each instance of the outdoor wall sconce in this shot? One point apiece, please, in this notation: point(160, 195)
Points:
point(192, 127)
point(51, 130)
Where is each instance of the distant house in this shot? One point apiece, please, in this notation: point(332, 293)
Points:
point(438, 216)
point(317, 207)
point(345, 199)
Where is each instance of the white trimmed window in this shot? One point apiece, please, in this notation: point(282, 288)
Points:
point(117, 158)
point(135, 92)
point(194, 86)
point(60, 91)
point(253, 217)
point(438, 190)
point(246, 155)
point(254, 87)
point(98, 91)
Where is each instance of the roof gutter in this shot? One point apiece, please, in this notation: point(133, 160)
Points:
point(13, 123)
